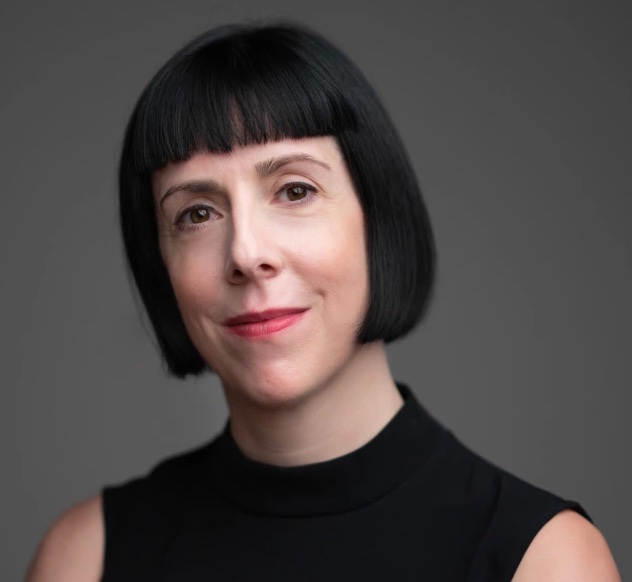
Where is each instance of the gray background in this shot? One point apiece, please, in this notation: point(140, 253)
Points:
point(517, 118)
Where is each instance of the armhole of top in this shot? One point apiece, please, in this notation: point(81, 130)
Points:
point(114, 507)
point(523, 541)
point(109, 522)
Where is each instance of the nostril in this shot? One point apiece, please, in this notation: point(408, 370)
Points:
point(240, 273)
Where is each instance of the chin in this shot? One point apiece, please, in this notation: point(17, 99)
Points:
point(272, 388)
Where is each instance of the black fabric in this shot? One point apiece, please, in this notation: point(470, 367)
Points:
point(412, 504)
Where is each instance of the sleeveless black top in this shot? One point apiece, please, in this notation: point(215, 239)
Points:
point(412, 504)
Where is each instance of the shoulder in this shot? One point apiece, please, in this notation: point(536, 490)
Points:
point(568, 548)
point(530, 534)
point(72, 549)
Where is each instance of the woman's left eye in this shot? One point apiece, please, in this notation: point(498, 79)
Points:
point(298, 192)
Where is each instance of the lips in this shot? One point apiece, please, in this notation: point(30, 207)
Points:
point(256, 317)
point(265, 324)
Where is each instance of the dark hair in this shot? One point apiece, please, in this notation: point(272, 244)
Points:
point(242, 84)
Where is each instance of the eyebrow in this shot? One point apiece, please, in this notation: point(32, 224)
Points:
point(270, 166)
point(264, 169)
point(195, 187)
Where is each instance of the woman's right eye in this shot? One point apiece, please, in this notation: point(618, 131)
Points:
point(193, 216)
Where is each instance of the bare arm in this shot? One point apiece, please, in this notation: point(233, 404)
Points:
point(568, 549)
point(72, 549)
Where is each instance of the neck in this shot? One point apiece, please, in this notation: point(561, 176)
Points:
point(334, 419)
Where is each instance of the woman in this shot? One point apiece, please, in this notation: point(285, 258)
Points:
point(277, 237)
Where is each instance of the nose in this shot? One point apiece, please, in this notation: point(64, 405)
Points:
point(252, 250)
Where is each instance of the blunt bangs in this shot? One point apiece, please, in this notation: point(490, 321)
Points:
point(238, 85)
point(250, 88)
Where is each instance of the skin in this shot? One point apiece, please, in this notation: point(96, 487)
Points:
point(293, 237)
point(236, 239)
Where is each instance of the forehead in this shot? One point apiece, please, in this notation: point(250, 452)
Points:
point(318, 152)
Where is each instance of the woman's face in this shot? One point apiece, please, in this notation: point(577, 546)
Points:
point(275, 226)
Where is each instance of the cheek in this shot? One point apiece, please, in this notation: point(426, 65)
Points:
point(334, 259)
point(194, 277)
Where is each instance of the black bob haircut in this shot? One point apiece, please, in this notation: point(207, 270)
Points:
point(243, 84)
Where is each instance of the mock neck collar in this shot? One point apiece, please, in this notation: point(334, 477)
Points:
point(337, 485)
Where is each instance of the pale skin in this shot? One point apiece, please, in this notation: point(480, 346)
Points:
point(235, 237)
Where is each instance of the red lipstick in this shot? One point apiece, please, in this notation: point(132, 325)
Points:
point(263, 323)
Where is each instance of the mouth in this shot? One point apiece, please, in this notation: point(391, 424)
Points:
point(259, 324)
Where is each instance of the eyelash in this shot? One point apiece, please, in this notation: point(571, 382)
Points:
point(311, 194)
point(179, 221)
